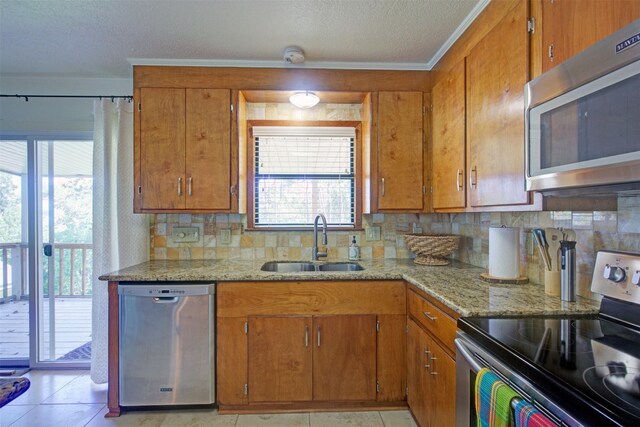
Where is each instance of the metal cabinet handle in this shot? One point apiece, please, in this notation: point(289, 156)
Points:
point(180, 186)
point(189, 185)
point(429, 316)
point(459, 180)
point(306, 336)
point(426, 358)
point(382, 187)
point(473, 177)
point(318, 336)
point(433, 365)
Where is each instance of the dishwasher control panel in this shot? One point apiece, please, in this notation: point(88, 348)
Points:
point(166, 289)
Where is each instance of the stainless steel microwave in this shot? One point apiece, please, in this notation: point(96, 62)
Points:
point(582, 118)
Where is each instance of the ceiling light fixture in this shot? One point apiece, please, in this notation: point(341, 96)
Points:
point(304, 99)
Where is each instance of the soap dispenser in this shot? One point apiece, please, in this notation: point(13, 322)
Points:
point(354, 250)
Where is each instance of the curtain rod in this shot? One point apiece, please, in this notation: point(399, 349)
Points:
point(26, 97)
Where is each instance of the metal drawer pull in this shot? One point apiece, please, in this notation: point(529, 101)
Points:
point(472, 175)
point(429, 316)
point(426, 357)
point(306, 336)
point(459, 180)
point(318, 336)
point(382, 187)
point(189, 182)
point(179, 186)
point(432, 365)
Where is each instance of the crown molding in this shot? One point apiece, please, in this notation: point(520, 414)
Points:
point(457, 33)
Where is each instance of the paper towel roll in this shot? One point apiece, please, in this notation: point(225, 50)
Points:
point(504, 252)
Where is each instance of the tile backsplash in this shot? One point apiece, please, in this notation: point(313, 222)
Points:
point(597, 230)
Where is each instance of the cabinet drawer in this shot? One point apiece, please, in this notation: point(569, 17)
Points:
point(434, 320)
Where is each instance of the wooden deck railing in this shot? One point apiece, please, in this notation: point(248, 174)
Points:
point(72, 263)
point(13, 257)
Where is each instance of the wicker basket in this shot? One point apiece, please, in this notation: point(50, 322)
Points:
point(432, 249)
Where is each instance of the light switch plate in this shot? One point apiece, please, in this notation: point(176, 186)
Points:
point(372, 233)
point(185, 234)
point(225, 236)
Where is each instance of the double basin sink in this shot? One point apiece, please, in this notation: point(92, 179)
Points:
point(296, 267)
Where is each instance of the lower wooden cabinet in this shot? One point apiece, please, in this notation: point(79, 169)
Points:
point(280, 359)
point(299, 344)
point(431, 366)
point(431, 374)
point(312, 358)
point(344, 357)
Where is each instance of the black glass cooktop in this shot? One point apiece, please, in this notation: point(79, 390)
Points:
point(583, 358)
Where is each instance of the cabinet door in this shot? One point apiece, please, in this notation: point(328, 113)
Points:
point(231, 360)
point(279, 359)
point(496, 73)
point(442, 386)
point(400, 151)
point(570, 26)
point(344, 357)
point(208, 149)
point(162, 148)
point(448, 118)
point(417, 371)
point(392, 340)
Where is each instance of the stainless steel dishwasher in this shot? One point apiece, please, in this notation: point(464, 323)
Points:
point(167, 343)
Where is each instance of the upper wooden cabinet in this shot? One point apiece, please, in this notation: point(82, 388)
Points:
point(571, 26)
point(478, 121)
point(184, 153)
point(448, 140)
point(400, 183)
point(497, 70)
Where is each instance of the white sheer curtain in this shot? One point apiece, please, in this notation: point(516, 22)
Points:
point(120, 238)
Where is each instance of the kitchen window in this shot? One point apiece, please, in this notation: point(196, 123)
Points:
point(298, 171)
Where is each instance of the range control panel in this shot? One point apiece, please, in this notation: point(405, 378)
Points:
point(617, 275)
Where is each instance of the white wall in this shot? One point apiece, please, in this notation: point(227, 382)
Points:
point(54, 114)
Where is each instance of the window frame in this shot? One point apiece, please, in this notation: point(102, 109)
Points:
point(250, 185)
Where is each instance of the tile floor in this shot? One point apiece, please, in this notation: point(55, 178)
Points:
point(70, 399)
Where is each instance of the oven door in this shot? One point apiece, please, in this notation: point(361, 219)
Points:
point(470, 358)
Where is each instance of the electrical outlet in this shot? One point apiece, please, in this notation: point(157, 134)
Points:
point(225, 236)
point(185, 234)
point(372, 233)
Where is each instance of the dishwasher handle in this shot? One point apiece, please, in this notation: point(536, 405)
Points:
point(165, 300)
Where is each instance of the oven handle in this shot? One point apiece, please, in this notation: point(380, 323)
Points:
point(476, 366)
point(464, 351)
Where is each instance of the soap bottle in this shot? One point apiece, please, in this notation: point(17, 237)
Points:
point(354, 250)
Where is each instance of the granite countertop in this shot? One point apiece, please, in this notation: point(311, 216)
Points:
point(458, 285)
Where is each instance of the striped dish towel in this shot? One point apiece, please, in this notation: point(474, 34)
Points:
point(493, 400)
point(528, 416)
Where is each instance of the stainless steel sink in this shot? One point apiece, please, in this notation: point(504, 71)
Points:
point(294, 267)
point(340, 266)
point(288, 267)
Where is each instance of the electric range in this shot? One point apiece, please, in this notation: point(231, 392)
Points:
point(579, 370)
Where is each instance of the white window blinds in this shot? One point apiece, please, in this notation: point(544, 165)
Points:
point(300, 172)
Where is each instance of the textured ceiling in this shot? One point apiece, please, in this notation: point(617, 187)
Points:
point(89, 38)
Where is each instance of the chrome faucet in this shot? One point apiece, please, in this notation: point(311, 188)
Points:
point(315, 254)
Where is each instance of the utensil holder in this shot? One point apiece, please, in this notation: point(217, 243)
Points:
point(552, 283)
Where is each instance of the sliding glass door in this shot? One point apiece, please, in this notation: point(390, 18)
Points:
point(14, 280)
point(56, 230)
